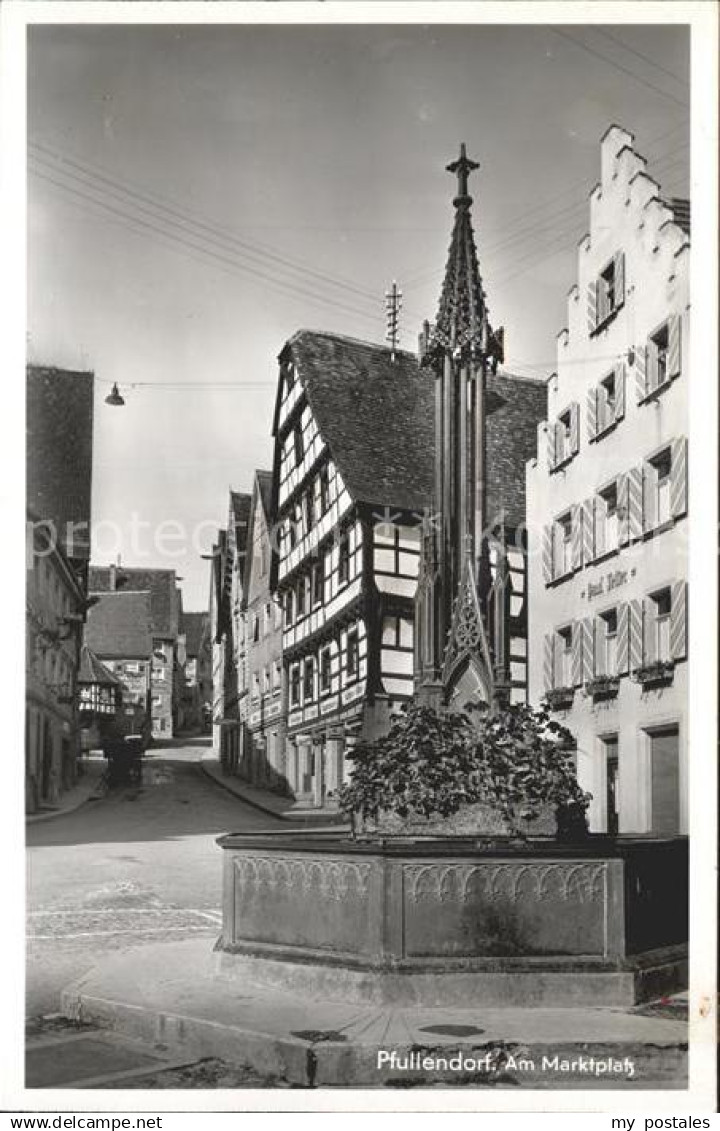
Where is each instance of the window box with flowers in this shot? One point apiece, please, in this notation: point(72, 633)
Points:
point(560, 698)
point(603, 687)
point(659, 672)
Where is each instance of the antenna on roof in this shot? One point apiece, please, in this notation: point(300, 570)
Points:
point(393, 306)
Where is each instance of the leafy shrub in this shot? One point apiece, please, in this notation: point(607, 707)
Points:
point(518, 761)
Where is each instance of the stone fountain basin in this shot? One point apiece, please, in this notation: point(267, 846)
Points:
point(430, 920)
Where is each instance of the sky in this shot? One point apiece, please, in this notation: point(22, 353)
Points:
point(198, 194)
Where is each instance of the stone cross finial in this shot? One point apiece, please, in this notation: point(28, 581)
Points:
point(462, 167)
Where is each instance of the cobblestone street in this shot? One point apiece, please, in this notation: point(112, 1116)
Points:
point(139, 865)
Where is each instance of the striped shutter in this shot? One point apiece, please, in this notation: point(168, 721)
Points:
point(649, 509)
point(551, 446)
point(549, 661)
point(641, 360)
point(635, 634)
point(623, 506)
point(619, 269)
point(623, 638)
point(574, 427)
point(592, 306)
point(648, 635)
point(599, 521)
point(588, 649)
point(678, 478)
point(620, 391)
point(635, 502)
point(547, 553)
point(576, 663)
point(678, 620)
point(588, 529)
point(576, 525)
point(592, 415)
point(674, 350)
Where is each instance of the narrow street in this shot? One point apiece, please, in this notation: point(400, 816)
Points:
point(139, 865)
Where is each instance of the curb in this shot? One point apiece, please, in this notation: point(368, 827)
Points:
point(98, 791)
point(299, 822)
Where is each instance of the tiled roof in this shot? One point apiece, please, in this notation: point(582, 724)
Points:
point(194, 626)
point(119, 625)
point(240, 507)
point(264, 479)
point(681, 212)
point(93, 670)
point(160, 583)
point(59, 451)
point(376, 415)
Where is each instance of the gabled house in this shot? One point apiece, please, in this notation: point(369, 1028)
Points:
point(119, 632)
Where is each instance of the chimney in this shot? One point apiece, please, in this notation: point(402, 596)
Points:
point(112, 585)
point(423, 339)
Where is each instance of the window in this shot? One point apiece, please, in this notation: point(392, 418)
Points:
point(606, 294)
point(606, 643)
point(607, 402)
point(658, 346)
point(292, 532)
point(607, 291)
point(606, 520)
point(265, 680)
point(353, 653)
point(295, 685)
point(309, 679)
point(318, 585)
point(325, 669)
point(301, 587)
point(277, 677)
point(324, 490)
point(309, 511)
point(563, 437)
point(660, 472)
point(563, 657)
point(344, 561)
point(298, 444)
point(256, 628)
point(660, 626)
point(288, 608)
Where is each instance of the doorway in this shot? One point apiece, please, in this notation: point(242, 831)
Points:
point(665, 781)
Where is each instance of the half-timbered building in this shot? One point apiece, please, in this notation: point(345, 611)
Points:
point(352, 479)
point(607, 495)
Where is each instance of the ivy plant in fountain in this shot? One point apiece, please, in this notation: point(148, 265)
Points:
point(518, 761)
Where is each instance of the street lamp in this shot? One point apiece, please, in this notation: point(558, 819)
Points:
point(115, 398)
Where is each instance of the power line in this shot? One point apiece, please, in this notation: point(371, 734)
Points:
point(646, 58)
point(140, 197)
point(618, 66)
point(181, 240)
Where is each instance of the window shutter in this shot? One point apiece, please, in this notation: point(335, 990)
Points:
point(588, 649)
point(649, 515)
point(619, 268)
point(547, 553)
point(651, 366)
point(678, 620)
point(588, 528)
point(576, 522)
point(592, 415)
point(576, 664)
point(551, 445)
point(560, 453)
point(549, 661)
point(619, 391)
point(678, 478)
point(641, 360)
point(592, 306)
point(598, 511)
point(648, 635)
point(623, 638)
point(574, 427)
point(635, 502)
point(674, 344)
point(623, 506)
point(635, 634)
